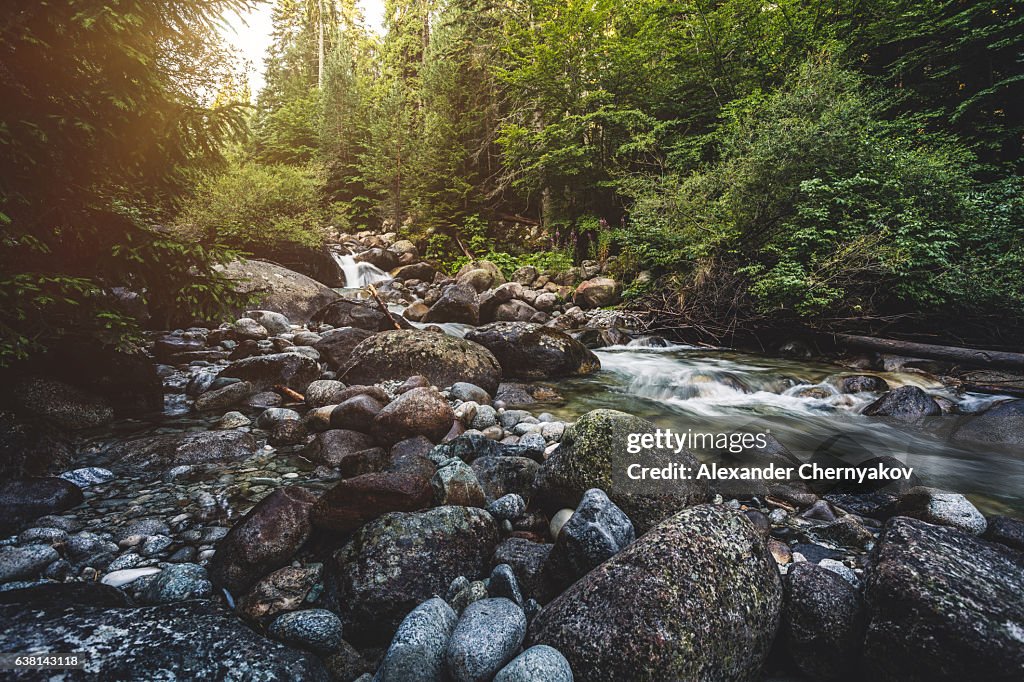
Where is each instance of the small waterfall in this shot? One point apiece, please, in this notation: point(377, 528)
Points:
point(359, 275)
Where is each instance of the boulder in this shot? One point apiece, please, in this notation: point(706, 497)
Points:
point(358, 500)
point(490, 278)
point(487, 636)
point(367, 315)
point(60, 405)
point(597, 293)
point(335, 346)
point(457, 304)
point(334, 446)
point(394, 563)
point(527, 560)
point(280, 290)
point(514, 311)
point(418, 412)
point(942, 605)
point(455, 483)
point(822, 623)
point(264, 539)
point(443, 359)
point(196, 447)
point(531, 351)
point(861, 383)
point(274, 323)
point(29, 448)
point(356, 413)
point(25, 562)
point(593, 454)
point(906, 403)
point(188, 640)
point(696, 598)
point(1002, 423)
point(385, 259)
point(942, 508)
point(25, 499)
point(421, 271)
point(417, 649)
point(404, 247)
point(323, 392)
point(265, 372)
point(225, 397)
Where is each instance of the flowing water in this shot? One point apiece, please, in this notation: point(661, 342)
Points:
point(683, 388)
point(359, 275)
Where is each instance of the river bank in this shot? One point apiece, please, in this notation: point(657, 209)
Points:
point(425, 486)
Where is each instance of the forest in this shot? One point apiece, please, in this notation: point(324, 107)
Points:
point(837, 165)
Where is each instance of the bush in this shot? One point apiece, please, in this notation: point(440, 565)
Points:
point(252, 206)
point(474, 236)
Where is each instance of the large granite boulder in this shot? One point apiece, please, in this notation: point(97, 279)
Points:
point(350, 312)
point(280, 290)
point(531, 351)
point(1002, 423)
point(196, 447)
point(266, 371)
point(442, 359)
point(696, 598)
point(25, 499)
point(943, 605)
point(336, 345)
point(457, 304)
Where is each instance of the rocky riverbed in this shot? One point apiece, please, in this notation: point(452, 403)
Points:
point(331, 487)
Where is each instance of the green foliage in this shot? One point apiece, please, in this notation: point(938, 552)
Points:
point(253, 207)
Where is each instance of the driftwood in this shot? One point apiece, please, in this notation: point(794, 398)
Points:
point(992, 389)
point(376, 297)
point(963, 356)
point(288, 393)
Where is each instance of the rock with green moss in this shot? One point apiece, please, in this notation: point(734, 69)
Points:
point(401, 559)
point(442, 359)
point(595, 454)
point(696, 598)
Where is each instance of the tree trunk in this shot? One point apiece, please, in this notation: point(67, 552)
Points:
point(964, 356)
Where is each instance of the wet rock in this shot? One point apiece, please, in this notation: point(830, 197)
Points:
point(394, 563)
point(539, 662)
point(357, 413)
point(177, 582)
point(592, 455)
point(336, 346)
point(195, 639)
point(334, 446)
point(823, 623)
point(486, 637)
point(165, 451)
point(906, 403)
point(283, 590)
point(225, 397)
point(942, 508)
point(275, 415)
point(1006, 531)
point(942, 605)
point(25, 499)
point(493, 276)
point(417, 649)
point(61, 405)
point(1002, 423)
point(281, 290)
point(264, 539)
point(597, 293)
point(266, 371)
point(419, 412)
point(468, 448)
point(442, 359)
point(89, 476)
point(597, 531)
point(502, 475)
point(531, 351)
point(515, 311)
point(28, 561)
point(844, 532)
point(861, 383)
point(348, 312)
point(356, 501)
point(144, 528)
point(457, 304)
point(315, 629)
point(455, 483)
point(697, 597)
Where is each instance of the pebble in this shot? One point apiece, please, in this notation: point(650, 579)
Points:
point(232, 420)
point(142, 527)
point(316, 629)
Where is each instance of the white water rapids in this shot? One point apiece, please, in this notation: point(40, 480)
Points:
point(359, 275)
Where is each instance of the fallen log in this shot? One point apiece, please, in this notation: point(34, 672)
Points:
point(962, 356)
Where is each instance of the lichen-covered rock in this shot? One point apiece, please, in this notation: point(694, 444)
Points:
point(335, 346)
point(417, 649)
point(822, 623)
point(442, 359)
point(334, 446)
point(264, 539)
point(315, 629)
point(401, 559)
point(455, 483)
point(505, 474)
point(177, 582)
point(224, 397)
point(188, 640)
point(266, 371)
point(531, 351)
point(696, 598)
point(417, 412)
point(593, 454)
point(527, 560)
point(943, 605)
point(59, 404)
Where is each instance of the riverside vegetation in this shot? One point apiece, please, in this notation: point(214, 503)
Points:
point(338, 386)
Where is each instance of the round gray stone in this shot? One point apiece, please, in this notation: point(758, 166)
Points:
point(539, 662)
point(485, 639)
point(418, 647)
